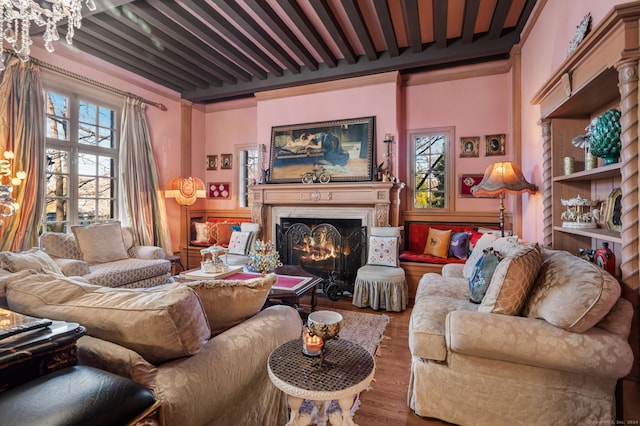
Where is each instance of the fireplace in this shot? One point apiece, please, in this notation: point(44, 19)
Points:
point(333, 249)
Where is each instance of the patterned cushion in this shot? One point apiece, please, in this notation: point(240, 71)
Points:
point(34, 259)
point(487, 240)
point(482, 274)
point(60, 245)
point(512, 280)
point(239, 242)
point(383, 251)
point(223, 231)
point(100, 243)
point(229, 302)
point(160, 323)
point(123, 272)
point(202, 232)
point(459, 245)
point(438, 242)
point(571, 293)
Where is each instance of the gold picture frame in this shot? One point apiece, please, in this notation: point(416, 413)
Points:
point(613, 212)
point(469, 146)
point(219, 190)
point(494, 144)
point(226, 161)
point(212, 162)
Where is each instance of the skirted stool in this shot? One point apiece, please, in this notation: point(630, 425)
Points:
point(381, 283)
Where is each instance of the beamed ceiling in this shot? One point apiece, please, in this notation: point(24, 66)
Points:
point(215, 50)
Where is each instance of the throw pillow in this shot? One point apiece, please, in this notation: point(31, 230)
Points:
point(459, 245)
point(160, 323)
point(229, 302)
point(484, 270)
point(383, 251)
point(512, 281)
point(571, 293)
point(34, 259)
point(202, 232)
point(100, 243)
point(239, 242)
point(223, 233)
point(487, 240)
point(438, 242)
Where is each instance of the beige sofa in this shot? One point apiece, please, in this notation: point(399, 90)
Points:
point(106, 255)
point(200, 347)
point(546, 345)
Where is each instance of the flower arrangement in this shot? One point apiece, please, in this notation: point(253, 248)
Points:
point(264, 257)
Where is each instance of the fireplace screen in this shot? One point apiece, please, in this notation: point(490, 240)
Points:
point(333, 251)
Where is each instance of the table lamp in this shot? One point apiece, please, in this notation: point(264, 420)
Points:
point(186, 191)
point(500, 178)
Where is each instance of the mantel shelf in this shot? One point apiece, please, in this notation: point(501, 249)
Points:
point(611, 170)
point(602, 234)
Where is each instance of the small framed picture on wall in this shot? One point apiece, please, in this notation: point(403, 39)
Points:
point(469, 146)
point(219, 190)
point(212, 162)
point(494, 145)
point(226, 161)
point(466, 182)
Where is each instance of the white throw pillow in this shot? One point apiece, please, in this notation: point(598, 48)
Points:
point(34, 259)
point(383, 251)
point(100, 243)
point(239, 242)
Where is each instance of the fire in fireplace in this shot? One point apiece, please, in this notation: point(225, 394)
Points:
point(329, 248)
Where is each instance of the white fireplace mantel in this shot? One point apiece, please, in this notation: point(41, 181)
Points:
point(378, 201)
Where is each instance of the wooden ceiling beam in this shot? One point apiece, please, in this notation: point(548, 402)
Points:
point(440, 13)
point(411, 17)
point(386, 24)
point(499, 17)
point(360, 26)
point(331, 24)
point(471, 9)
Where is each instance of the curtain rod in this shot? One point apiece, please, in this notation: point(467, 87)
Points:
point(95, 83)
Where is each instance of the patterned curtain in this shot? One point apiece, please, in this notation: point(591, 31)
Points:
point(143, 198)
point(22, 131)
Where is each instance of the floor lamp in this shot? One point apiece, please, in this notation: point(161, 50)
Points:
point(186, 191)
point(500, 178)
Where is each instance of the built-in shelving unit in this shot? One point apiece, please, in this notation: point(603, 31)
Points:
point(602, 73)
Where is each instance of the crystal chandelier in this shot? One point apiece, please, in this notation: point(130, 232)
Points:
point(8, 205)
point(16, 17)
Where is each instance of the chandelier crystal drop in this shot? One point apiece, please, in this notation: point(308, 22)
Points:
point(16, 17)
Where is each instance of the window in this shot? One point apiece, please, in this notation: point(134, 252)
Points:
point(248, 170)
point(430, 160)
point(82, 161)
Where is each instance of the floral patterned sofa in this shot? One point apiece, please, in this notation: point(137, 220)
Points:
point(106, 255)
point(546, 345)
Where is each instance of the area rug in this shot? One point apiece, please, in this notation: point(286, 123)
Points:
point(362, 328)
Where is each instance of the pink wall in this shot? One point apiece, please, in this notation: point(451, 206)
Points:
point(475, 106)
point(542, 53)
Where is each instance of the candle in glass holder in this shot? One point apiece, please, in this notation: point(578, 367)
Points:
point(311, 344)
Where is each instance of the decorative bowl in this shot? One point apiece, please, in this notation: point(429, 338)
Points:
point(325, 324)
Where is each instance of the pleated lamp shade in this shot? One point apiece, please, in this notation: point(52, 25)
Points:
point(500, 178)
point(185, 190)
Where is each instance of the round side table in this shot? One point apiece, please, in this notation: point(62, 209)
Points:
point(300, 377)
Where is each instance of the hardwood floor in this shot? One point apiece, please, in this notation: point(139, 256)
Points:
point(386, 402)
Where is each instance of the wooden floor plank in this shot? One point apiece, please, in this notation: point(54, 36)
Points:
point(385, 404)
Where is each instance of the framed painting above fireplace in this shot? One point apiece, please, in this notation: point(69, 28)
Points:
point(343, 149)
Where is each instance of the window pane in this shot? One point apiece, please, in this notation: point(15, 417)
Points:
point(87, 164)
point(105, 188)
point(56, 210)
point(57, 123)
point(105, 166)
point(87, 135)
point(430, 170)
point(87, 113)
point(106, 117)
point(86, 186)
point(105, 137)
point(106, 209)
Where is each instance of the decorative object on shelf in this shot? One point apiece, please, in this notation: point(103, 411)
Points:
point(8, 205)
point(211, 262)
point(466, 182)
point(604, 136)
point(469, 147)
point(326, 325)
point(219, 190)
point(613, 212)
point(568, 165)
point(604, 258)
point(494, 145)
point(212, 162)
point(345, 147)
point(575, 215)
point(16, 17)
point(318, 174)
point(226, 161)
point(263, 257)
point(586, 254)
point(581, 31)
point(500, 178)
point(388, 140)
point(186, 191)
point(584, 141)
